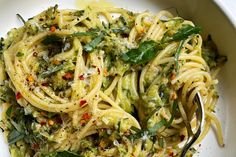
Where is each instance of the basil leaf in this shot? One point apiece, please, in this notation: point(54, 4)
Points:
point(146, 51)
point(93, 32)
point(185, 31)
point(152, 131)
point(147, 132)
point(92, 45)
point(9, 111)
point(177, 54)
point(51, 70)
point(174, 109)
point(15, 136)
point(52, 39)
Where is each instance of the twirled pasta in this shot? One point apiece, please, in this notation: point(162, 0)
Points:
point(81, 96)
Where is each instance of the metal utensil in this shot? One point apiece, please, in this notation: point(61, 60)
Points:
point(192, 137)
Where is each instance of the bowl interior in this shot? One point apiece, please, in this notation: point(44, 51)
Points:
point(204, 13)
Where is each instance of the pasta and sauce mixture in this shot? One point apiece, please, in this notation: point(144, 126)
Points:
point(105, 82)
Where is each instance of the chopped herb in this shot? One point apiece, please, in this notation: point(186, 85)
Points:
point(9, 111)
point(79, 13)
point(122, 30)
point(90, 46)
point(153, 130)
point(177, 54)
point(52, 39)
point(21, 18)
point(185, 31)
point(93, 32)
point(146, 51)
point(7, 94)
point(14, 136)
point(19, 54)
point(174, 110)
point(150, 132)
point(51, 70)
point(161, 142)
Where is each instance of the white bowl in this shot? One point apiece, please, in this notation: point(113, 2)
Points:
point(215, 19)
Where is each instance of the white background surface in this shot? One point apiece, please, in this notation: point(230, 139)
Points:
point(204, 13)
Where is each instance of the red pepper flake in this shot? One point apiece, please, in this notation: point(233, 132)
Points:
point(35, 146)
point(43, 113)
point(53, 28)
point(81, 77)
point(182, 137)
point(171, 154)
point(86, 116)
point(18, 95)
point(98, 69)
point(43, 123)
point(82, 103)
point(68, 76)
point(45, 84)
point(82, 122)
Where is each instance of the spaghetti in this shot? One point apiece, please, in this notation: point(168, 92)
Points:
point(104, 82)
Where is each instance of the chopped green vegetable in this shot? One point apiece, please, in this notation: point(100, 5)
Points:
point(146, 51)
point(51, 70)
point(19, 54)
point(90, 46)
point(210, 53)
point(177, 54)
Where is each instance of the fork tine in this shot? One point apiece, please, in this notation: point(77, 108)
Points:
point(200, 119)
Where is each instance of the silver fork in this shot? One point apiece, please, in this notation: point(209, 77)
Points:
point(192, 137)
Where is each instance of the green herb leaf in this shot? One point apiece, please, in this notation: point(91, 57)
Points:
point(15, 136)
point(161, 142)
point(174, 110)
point(146, 51)
point(93, 32)
point(51, 39)
point(177, 54)
point(122, 30)
point(185, 31)
point(19, 54)
point(79, 13)
point(9, 111)
point(147, 132)
point(51, 70)
point(153, 130)
point(92, 45)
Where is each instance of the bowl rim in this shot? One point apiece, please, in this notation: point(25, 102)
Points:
point(227, 11)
